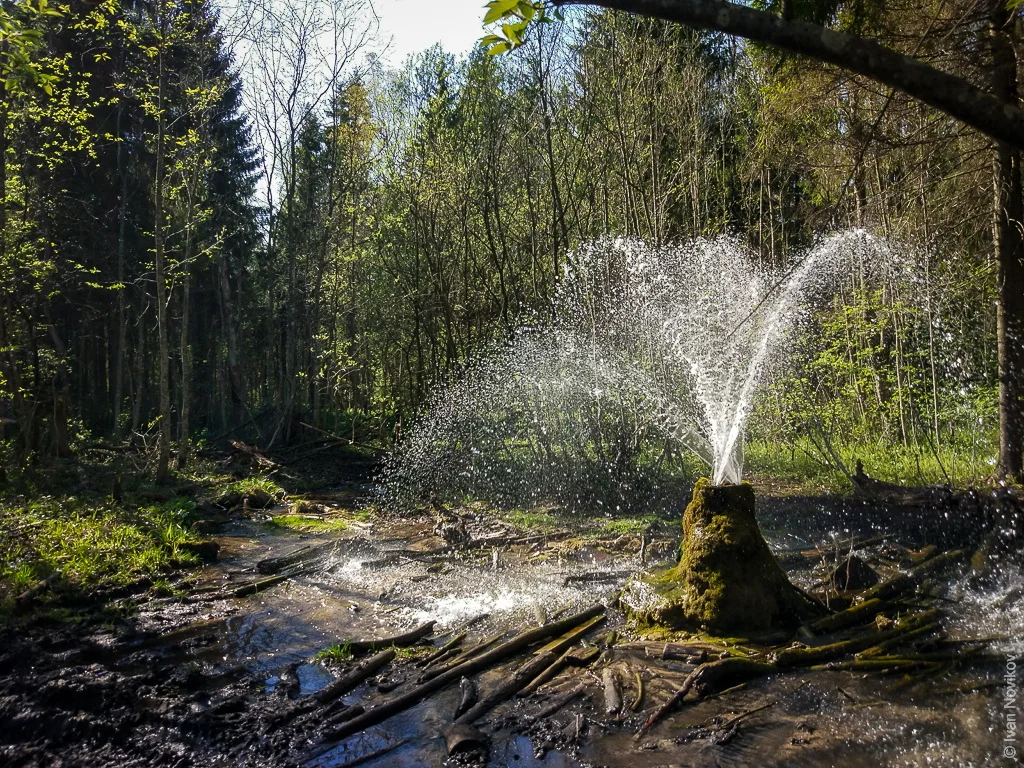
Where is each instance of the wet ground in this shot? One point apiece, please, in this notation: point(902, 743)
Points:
point(202, 679)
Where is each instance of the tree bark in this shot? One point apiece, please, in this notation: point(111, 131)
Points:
point(122, 217)
point(163, 346)
point(998, 119)
point(1008, 244)
point(235, 385)
point(186, 353)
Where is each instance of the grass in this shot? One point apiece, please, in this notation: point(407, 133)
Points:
point(89, 542)
point(533, 520)
point(596, 525)
point(58, 516)
point(801, 463)
point(259, 488)
point(625, 525)
point(309, 524)
point(411, 652)
point(338, 653)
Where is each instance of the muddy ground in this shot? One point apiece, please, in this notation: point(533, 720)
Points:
point(202, 678)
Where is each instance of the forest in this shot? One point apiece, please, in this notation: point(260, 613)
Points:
point(180, 260)
point(248, 266)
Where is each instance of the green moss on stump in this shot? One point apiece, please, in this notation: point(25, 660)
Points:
point(726, 579)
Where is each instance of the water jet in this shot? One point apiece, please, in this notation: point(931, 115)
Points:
point(649, 345)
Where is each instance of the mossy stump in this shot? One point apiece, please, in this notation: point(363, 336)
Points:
point(727, 579)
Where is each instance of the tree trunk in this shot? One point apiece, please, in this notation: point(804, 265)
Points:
point(1008, 243)
point(12, 370)
point(236, 391)
point(727, 579)
point(163, 346)
point(186, 354)
point(122, 217)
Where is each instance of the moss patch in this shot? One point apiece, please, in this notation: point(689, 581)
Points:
point(309, 524)
point(726, 579)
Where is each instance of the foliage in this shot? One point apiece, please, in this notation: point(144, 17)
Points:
point(257, 487)
point(338, 653)
point(309, 524)
point(88, 542)
point(412, 217)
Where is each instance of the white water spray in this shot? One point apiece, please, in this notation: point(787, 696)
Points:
point(650, 345)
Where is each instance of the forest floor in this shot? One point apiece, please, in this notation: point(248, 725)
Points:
point(226, 663)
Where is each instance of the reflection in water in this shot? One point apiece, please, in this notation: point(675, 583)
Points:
point(819, 718)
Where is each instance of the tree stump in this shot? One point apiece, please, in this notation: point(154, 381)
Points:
point(727, 578)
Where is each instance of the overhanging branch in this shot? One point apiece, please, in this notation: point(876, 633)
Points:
point(945, 92)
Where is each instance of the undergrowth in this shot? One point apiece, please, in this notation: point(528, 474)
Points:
point(803, 463)
point(88, 542)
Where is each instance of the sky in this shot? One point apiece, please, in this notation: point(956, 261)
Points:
point(417, 24)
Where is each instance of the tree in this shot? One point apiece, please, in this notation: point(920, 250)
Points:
point(997, 114)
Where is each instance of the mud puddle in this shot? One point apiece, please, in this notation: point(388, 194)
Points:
point(209, 681)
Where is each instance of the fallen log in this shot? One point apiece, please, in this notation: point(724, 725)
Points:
point(672, 652)
point(874, 665)
point(725, 733)
point(374, 754)
point(937, 563)
point(804, 657)
point(507, 689)
point(469, 693)
point(595, 577)
point(438, 659)
point(912, 634)
point(563, 642)
point(574, 657)
point(560, 702)
point(463, 738)
point(879, 490)
point(404, 640)
point(469, 653)
point(639, 693)
point(449, 646)
point(520, 642)
point(705, 677)
point(902, 583)
point(345, 713)
point(347, 682)
point(612, 692)
point(896, 586)
point(851, 617)
point(25, 599)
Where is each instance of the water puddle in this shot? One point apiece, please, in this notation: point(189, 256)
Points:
point(383, 582)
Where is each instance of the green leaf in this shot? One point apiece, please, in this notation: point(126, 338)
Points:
point(526, 10)
point(499, 9)
point(514, 32)
point(500, 48)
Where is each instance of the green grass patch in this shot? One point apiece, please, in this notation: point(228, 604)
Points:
point(89, 542)
point(624, 525)
point(802, 463)
point(533, 519)
point(259, 491)
point(412, 652)
point(339, 653)
point(309, 524)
